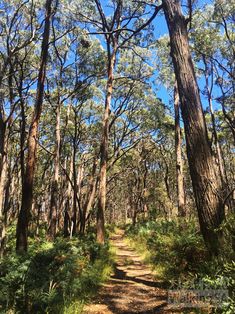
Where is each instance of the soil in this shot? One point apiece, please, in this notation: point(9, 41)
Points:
point(133, 287)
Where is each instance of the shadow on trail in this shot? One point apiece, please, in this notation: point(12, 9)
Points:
point(132, 288)
point(156, 309)
point(122, 275)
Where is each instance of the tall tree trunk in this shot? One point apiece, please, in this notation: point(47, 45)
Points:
point(5, 126)
point(90, 197)
point(55, 182)
point(80, 176)
point(5, 131)
point(218, 150)
point(27, 188)
point(22, 141)
point(179, 160)
point(206, 183)
point(4, 209)
point(3, 181)
point(104, 152)
point(3, 161)
point(75, 186)
point(67, 212)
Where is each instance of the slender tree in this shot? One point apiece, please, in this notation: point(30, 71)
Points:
point(117, 35)
point(179, 161)
point(27, 188)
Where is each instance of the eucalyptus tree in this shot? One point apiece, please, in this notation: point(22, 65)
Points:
point(140, 182)
point(211, 38)
point(223, 17)
point(13, 46)
point(132, 89)
point(119, 30)
point(27, 187)
point(61, 87)
point(141, 138)
point(159, 123)
point(166, 76)
point(207, 41)
point(18, 33)
point(208, 188)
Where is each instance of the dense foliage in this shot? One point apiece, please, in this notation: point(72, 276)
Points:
point(53, 277)
point(179, 256)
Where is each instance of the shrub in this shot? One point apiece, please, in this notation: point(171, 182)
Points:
point(53, 278)
point(179, 255)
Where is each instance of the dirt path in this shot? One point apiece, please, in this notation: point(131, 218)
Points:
point(132, 288)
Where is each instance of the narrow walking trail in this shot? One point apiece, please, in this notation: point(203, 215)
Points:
point(132, 288)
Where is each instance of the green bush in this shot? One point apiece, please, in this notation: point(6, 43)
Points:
point(53, 278)
point(172, 247)
point(178, 254)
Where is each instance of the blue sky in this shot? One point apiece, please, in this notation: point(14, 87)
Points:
point(160, 29)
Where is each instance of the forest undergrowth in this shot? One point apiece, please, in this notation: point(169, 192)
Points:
point(53, 277)
point(178, 255)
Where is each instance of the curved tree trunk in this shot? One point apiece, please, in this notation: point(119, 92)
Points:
point(27, 188)
point(206, 183)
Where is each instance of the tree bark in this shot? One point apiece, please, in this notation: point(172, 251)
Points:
point(3, 161)
point(206, 183)
point(75, 192)
point(27, 188)
point(67, 211)
point(55, 183)
point(179, 161)
point(213, 121)
point(3, 181)
point(90, 197)
point(5, 132)
point(5, 186)
point(104, 152)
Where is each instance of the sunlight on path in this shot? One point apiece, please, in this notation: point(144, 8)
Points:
point(132, 288)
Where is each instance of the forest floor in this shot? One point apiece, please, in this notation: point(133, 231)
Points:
point(133, 287)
